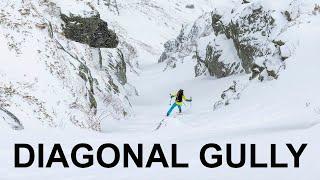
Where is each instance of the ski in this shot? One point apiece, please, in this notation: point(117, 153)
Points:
point(159, 125)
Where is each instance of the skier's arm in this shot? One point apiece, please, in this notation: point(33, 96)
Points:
point(172, 95)
point(188, 100)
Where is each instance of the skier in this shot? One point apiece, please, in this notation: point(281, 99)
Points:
point(179, 101)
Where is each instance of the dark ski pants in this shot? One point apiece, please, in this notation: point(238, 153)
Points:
point(172, 107)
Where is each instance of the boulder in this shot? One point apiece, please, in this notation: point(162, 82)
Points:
point(190, 6)
point(91, 31)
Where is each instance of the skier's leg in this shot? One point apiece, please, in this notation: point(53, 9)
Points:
point(179, 108)
point(171, 108)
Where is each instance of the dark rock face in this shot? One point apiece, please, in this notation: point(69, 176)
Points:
point(227, 43)
point(169, 46)
point(190, 6)
point(121, 69)
point(247, 45)
point(259, 70)
point(91, 31)
point(243, 31)
point(215, 67)
point(217, 25)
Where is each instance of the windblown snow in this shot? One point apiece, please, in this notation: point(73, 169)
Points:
point(53, 89)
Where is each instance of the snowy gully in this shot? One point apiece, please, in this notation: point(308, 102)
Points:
point(210, 155)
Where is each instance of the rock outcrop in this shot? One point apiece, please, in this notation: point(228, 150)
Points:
point(240, 40)
point(11, 119)
point(71, 84)
point(248, 38)
point(89, 30)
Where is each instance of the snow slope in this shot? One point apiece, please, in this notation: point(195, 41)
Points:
point(32, 38)
point(281, 111)
point(48, 80)
point(145, 24)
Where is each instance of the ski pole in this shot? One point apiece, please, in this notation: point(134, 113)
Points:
point(170, 100)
